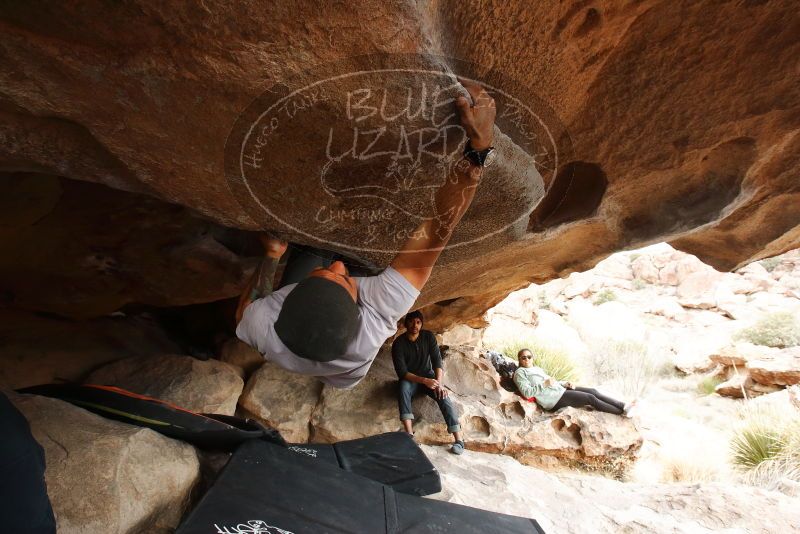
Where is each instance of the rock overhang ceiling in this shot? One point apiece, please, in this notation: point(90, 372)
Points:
point(674, 121)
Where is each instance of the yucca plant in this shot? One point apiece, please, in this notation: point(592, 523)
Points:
point(766, 434)
point(751, 446)
point(784, 465)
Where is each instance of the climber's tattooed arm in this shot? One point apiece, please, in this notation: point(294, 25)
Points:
point(418, 255)
point(261, 284)
point(264, 278)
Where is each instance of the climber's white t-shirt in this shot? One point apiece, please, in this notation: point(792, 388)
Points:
point(382, 301)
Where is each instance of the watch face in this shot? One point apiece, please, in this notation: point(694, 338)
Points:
point(490, 157)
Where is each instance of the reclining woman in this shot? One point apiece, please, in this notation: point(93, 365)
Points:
point(552, 395)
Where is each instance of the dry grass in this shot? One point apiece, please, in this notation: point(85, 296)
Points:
point(691, 468)
point(683, 461)
point(627, 366)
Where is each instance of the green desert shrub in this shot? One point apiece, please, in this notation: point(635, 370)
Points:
point(778, 329)
point(554, 362)
point(638, 284)
point(708, 385)
point(605, 295)
point(770, 263)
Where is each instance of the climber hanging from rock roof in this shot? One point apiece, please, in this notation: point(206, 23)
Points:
point(328, 324)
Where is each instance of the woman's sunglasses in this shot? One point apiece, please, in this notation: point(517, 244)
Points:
point(523, 357)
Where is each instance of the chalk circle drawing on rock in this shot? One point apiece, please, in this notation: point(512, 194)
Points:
point(351, 154)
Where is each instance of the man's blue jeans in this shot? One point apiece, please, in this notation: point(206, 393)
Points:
point(407, 390)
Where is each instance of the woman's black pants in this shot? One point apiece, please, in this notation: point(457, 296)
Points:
point(589, 397)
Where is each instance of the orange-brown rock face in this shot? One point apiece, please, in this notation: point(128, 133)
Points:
point(675, 121)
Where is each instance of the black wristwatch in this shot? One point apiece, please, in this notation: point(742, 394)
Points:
point(481, 158)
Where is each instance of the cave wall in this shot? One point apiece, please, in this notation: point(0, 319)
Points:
point(83, 250)
point(679, 122)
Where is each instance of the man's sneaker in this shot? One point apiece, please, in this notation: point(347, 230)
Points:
point(457, 448)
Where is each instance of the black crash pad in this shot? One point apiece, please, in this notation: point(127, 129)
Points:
point(267, 489)
point(207, 431)
point(392, 458)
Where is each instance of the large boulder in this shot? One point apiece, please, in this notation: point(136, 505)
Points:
point(752, 370)
point(503, 330)
point(694, 344)
point(774, 303)
point(757, 277)
point(544, 327)
point(483, 406)
point(495, 420)
point(462, 335)
point(668, 307)
point(558, 332)
point(575, 504)
point(105, 476)
point(580, 284)
point(681, 266)
point(644, 269)
point(609, 320)
point(367, 409)
point(780, 369)
point(738, 354)
point(242, 356)
point(708, 166)
point(587, 437)
point(691, 362)
point(492, 419)
point(281, 400)
point(739, 284)
point(787, 400)
point(737, 386)
point(699, 289)
point(104, 248)
point(41, 350)
point(615, 266)
point(734, 305)
point(207, 386)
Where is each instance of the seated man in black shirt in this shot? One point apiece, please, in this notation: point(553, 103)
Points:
point(417, 361)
